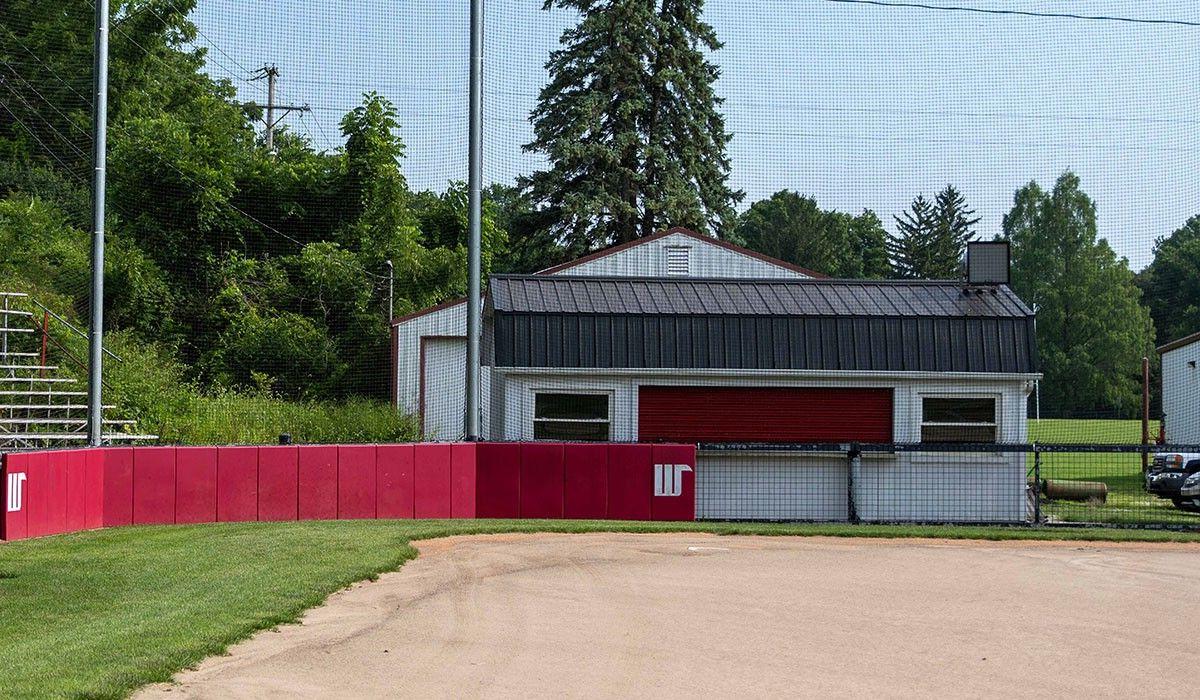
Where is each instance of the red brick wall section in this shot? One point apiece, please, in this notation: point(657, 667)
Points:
point(71, 490)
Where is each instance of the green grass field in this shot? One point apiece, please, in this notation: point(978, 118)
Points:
point(1128, 502)
point(97, 614)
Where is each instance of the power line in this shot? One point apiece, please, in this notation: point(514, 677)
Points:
point(1020, 13)
point(66, 168)
point(223, 200)
point(78, 151)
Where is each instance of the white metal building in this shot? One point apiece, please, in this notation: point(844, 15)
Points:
point(429, 346)
point(1181, 390)
point(683, 338)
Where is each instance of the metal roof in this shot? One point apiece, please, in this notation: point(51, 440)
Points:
point(773, 297)
point(845, 325)
point(1181, 343)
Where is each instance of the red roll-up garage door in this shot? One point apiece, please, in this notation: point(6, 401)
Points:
point(763, 414)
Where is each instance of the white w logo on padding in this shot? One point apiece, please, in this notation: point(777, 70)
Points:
point(16, 484)
point(668, 479)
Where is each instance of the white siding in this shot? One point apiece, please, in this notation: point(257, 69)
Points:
point(648, 259)
point(450, 321)
point(771, 485)
point(704, 260)
point(1181, 394)
point(520, 384)
point(445, 360)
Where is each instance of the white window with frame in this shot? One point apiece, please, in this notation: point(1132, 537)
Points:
point(959, 419)
point(571, 417)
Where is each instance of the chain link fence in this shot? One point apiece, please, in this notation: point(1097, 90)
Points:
point(1031, 484)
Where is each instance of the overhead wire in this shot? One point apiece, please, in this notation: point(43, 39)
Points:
point(1020, 13)
point(167, 163)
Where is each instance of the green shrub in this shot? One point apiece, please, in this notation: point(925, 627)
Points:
point(245, 419)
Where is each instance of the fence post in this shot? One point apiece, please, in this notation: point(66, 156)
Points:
point(1037, 486)
point(853, 459)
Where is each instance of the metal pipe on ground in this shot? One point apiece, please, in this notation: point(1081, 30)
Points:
point(1056, 490)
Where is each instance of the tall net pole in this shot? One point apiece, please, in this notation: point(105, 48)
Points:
point(99, 149)
point(475, 158)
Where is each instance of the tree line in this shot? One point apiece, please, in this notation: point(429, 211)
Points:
point(258, 269)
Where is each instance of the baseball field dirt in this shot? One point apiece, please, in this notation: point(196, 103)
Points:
point(684, 615)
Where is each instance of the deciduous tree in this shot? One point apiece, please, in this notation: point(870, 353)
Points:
point(1092, 329)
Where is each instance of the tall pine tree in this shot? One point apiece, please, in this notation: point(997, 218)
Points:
point(932, 236)
point(953, 228)
point(910, 248)
point(631, 125)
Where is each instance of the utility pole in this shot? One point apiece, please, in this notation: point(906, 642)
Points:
point(99, 164)
point(271, 73)
point(475, 217)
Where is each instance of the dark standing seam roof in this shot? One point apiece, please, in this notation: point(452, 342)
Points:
point(820, 324)
point(607, 295)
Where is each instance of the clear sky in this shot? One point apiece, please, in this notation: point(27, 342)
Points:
point(862, 107)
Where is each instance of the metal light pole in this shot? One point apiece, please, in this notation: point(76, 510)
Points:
point(475, 184)
point(99, 151)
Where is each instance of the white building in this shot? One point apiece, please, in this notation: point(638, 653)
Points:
point(1181, 390)
point(683, 338)
point(429, 346)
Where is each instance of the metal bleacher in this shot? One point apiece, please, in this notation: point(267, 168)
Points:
point(41, 405)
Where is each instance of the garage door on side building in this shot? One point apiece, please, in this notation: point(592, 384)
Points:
point(443, 386)
point(765, 484)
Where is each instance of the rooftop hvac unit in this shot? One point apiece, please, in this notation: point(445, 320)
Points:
point(988, 263)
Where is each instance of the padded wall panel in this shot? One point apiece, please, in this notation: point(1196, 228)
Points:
point(56, 472)
point(585, 481)
point(431, 481)
point(394, 481)
point(15, 525)
point(153, 485)
point(462, 480)
point(237, 484)
point(675, 488)
point(77, 490)
point(356, 481)
point(630, 482)
point(93, 496)
point(498, 480)
point(541, 480)
point(38, 488)
point(318, 482)
point(196, 485)
point(118, 486)
point(278, 483)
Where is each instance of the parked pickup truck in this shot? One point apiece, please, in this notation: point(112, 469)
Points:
point(1189, 495)
point(1167, 475)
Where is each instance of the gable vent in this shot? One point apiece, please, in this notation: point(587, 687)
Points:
point(678, 261)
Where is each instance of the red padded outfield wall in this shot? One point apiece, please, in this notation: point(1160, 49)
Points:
point(54, 492)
